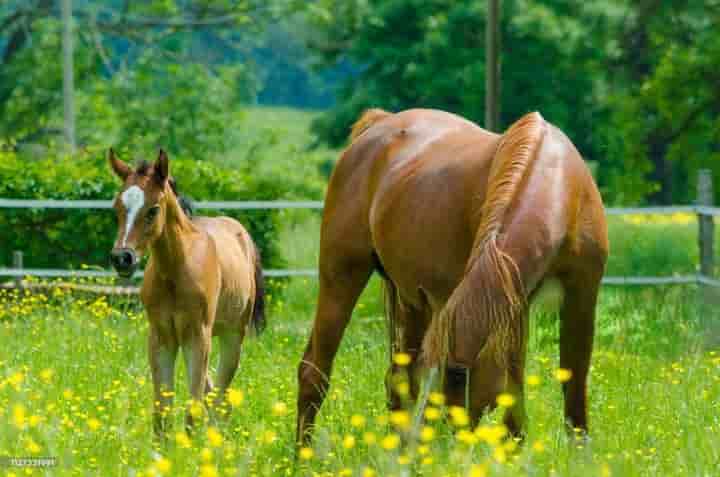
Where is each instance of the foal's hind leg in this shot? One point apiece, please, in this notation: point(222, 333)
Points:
point(577, 321)
point(230, 345)
point(341, 282)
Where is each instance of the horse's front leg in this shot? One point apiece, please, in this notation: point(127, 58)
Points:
point(162, 351)
point(196, 349)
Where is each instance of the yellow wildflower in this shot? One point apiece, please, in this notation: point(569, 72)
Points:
point(357, 420)
point(214, 437)
point(478, 470)
point(538, 446)
point(206, 454)
point(46, 374)
point(467, 437)
point(505, 400)
point(279, 409)
point(459, 416)
point(533, 380)
point(432, 413)
point(235, 397)
point(183, 440)
point(437, 398)
point(348, 442)
point(93, 424)
point(402, 359)
point(390, 442)
point(563, 375)
point(400, 419)
point(306, 453)
point(19, 416)
point(427, 434)
point(33, 447)
point(163, 465)
point(208, 470)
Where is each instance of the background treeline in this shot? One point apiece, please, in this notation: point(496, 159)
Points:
point(633, 83)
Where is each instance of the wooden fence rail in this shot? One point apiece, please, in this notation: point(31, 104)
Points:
point(704, 209)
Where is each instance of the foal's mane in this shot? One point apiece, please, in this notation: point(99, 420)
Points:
point(144, 168)
point(487, 306)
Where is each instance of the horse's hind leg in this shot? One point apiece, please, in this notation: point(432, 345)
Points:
point(341, 282)
point(577, 321)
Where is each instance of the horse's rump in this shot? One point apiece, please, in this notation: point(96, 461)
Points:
point(486, 308)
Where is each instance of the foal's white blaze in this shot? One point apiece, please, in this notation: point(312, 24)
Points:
point(133, 199)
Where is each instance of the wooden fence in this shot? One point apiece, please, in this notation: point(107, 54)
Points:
point(704, 210)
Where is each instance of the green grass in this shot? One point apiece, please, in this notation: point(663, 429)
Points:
point(653, 394)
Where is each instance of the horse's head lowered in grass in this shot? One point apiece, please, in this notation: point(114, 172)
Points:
point(141, 207)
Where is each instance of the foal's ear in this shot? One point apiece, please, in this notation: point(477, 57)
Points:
point(161, 167)
point(121, 169)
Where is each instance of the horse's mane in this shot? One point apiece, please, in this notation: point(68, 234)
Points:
point(143, 168)
point(367, 119)
point(487, 306)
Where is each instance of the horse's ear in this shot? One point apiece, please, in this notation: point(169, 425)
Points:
point(162, 167)
point(121, 169)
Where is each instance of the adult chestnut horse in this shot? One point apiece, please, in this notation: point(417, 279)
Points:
point(203, 279)
point(465, 226)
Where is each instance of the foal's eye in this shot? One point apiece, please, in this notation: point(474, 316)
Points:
point(152, 213)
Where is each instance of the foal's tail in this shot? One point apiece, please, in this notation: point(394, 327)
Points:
point(258, 312)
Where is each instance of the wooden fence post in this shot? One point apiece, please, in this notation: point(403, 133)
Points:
point(18, 264)
point(708, 294)
point(706, 224)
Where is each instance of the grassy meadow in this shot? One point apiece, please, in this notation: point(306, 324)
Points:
point(75, 382)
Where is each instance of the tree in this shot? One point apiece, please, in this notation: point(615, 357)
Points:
point(123, 48)
point(665, 100)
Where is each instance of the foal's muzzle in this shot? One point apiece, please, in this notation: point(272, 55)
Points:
point(124, 261)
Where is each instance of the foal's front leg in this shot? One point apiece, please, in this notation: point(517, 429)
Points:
point(196, 348)
point(162, 351)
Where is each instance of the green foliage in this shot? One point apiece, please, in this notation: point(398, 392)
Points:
point(181, 107)
point(430, 54)
point(664, 100)
point(70, 238)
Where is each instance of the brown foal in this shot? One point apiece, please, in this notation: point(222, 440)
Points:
point(203, 279)
point(465, 226)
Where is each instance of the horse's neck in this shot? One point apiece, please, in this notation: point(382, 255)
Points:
point(170, 249)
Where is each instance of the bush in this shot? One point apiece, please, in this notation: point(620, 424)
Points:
point(69, 238)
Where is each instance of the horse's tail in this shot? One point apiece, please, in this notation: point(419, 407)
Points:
point(366, 120)
point(487, 307)
point(258, 313)
point(391, 312)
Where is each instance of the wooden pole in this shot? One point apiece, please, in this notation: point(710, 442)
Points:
point(492, 66)
point(18, 264)
point(708, 294)
point(68, 79)
point(706, 224)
